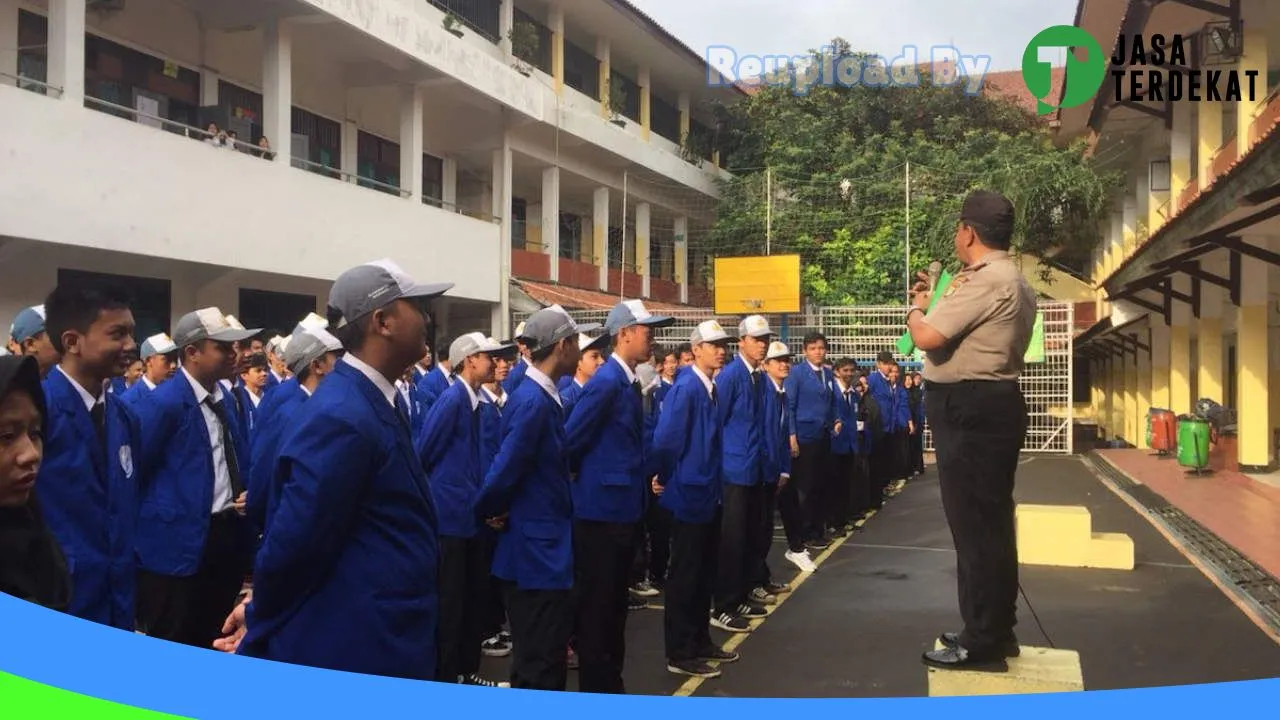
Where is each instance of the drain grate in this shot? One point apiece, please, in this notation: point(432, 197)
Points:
point(1252, 584)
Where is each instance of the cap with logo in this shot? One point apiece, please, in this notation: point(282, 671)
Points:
point(519, 331)
point(586, 342)
point(367, 288)
point(755, 326)
point(632, 312)
point(778, 351)
point(209, 324)
point(158, 344)
point(307, 346)
point(28, 324)
point(550, 325)
point(708, 332)
point(472, 344)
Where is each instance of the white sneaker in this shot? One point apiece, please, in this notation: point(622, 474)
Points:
point(801, 560)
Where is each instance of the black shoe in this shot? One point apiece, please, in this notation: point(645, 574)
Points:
point(635, 603)
point(819, 544)
point(1010, 648)
point(715, 654)
point(776, 588)
point(751, 611)
point(692, 668)
point(730, 623)
point(957, 658)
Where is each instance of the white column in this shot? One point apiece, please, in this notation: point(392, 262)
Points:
point(8, 41)
point(208, 77)
point(605, 55)
point(506, 21)
point(449, 184)
point(600, 234)
point(502, 209)
point(681, 256)
point(66, 48)
point(551, 218)
point(277, 88)
point(350, 164)
point(411, 141)
point(643, 215)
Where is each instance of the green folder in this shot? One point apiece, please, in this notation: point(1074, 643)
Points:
point(1035, 349)
point(906, 346)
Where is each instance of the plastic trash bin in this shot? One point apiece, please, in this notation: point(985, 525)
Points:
point(1193, 443)
point(1161, 431)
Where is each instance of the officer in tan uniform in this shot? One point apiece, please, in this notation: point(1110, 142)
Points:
point(974, 342)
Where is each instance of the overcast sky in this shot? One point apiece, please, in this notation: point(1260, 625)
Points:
point(998, 28)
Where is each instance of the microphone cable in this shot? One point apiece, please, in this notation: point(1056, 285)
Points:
point(1035, 616)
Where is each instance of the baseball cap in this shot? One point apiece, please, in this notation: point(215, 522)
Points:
point(158, 344)
point(28, 324)
point(754, 326)
point(209, 324)
point(307, 346)
point(471, 344)
point(632, 312)
point(312, 321)
point(519, 331)
point(550, 325)
point(366, 288)
point(586, 342)
point(273, 345)
point(708, 332)
point(777, 351)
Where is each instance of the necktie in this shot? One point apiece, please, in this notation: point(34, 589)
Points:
point(99, 417)
point(228, 447)
point(402, 410)
point(714, 394)
point(637, 388)
point(755, 380)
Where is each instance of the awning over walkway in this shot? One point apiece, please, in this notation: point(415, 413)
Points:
point(578, 299)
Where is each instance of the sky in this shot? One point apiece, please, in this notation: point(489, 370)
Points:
point(1000, 29)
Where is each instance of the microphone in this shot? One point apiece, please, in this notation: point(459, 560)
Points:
point(935, 271)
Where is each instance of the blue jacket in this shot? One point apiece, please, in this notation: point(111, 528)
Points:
point(138, 393)
point(248, 412)
point(776, 432)
point(529, 480)
point(117, 387)
point(352, 543)
point(687, 451)
point(605, 446)
point(432, 386)
point(88, 495)
point(490, 432)
point(277, 415)
point(740, 405)
point(449, 448)
point(272, 382)
point(570, 392)
point(415, 407)
point(656, 396)
point(894, 409)
point(177, 496)
point(847, 441)
point(811, 402)
point(516, 376)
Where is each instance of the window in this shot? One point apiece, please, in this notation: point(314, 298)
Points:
point(581, 71)
point(433, 180)
point(150, 298)
point(276, 312)
point(630, 92)
point(570, 236)
point(664, 118)
point(378, 160)
point(540, 57)
point(479, 15)
point(519, 214)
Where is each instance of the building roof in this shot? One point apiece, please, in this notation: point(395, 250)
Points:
point(577, 299)
point(674, 42)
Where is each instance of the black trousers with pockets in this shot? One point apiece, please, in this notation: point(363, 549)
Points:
point(762, 536)
point(465, 597)
point(739, 525)
point(603, 556)
point(809, 474)
point(541, 623)
point(690, 584)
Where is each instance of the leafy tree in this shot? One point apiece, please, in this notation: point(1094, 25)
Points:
point(837, 158)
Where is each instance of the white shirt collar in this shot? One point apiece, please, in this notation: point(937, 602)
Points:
point(276, 375)
point(706, 381)
point(545, 383)
point(747, 362)
point(85, 396)
point(491, 396)
point(816, 368)
point(777, 385)
point(147, 380)
point(199, 390)
point(384, 385)
point(304, 389)
point(843, 388)
point(631, 375)
point(471, 393)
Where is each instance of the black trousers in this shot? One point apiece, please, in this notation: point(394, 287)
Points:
point(603, 554)
point(809, 475)
point(978, 432)
point(541, 623)
point(880, 465)
point(465, 597)
point(917, 451)
point(860, 493)
point(762, 536)
point(741, 511)
point(690, 583)
point(653, 544)
point(838, 500)
point(495, 605)
point(191, 610)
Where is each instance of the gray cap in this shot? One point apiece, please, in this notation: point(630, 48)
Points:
point(208, 324)
point(307, 346)
point(158, 344)
point(708, 332)
point(632, 312)
point(28, 324)
point(370, 287)
point(550, 325)
point(755, 326)
point(472, 344)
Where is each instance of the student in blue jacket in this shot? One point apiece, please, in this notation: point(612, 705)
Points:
point(346, 578)
point(891, 400)
point(250, 391)
point(310, 357)
point(604, 441)
point(277, 368)
point(687, 449)
point(193, 542)
point(776, 437)
point(159, 363)
point(450, 449)
point(649, 573)
point(741, 386)
point(27, 336)
point(813, 419)
point(570, 386)
point(492, 401)
point(89, 478)
point(521, 366)
point(526, 493)
point(844, 504)
point(439, 379)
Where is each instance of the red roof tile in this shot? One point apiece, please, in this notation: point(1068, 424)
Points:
point(572, 298)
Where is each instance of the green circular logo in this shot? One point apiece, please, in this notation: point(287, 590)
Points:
point(1085, 75)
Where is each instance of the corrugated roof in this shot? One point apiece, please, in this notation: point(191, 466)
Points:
point(572, 298)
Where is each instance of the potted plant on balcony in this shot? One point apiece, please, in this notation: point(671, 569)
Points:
point(694, 148)
point(525, 45)
point(614, 101)
point(453, 24)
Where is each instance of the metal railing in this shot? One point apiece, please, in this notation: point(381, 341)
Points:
point(23, 82)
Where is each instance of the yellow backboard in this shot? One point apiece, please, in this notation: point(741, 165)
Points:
point(765, 285)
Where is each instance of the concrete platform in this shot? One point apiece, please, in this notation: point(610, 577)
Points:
point(1035, 670)
point(857, 627)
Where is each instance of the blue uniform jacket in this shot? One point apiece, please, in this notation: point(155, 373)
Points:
point(177, 495)
point(687, 451)
point(449, 448)
point(847, 441)
point(277, 414)
point(570, 392)
point(117, 387)
point(894, 408)
point(138, 393)
point(516, 376)
point(529, 480)
point(776, 433)
point(811, 403)
point(490, 433)
point(247, 411)
point(605, 446)
point(346, 578)
point(88, 494)
point(740, 406)
point(655, 410)
point(432, 386)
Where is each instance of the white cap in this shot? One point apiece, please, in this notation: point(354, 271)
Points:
point(778, 350)
point(473, 344)
point(754, 326)
point(586, 342)
point(273, 345)
point(519, 330)
point(308, 346)
point(708, 332)
point(158, 344)
point(235, 322)
point(313, 321)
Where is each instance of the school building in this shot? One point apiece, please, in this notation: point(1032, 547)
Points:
point(568, 143)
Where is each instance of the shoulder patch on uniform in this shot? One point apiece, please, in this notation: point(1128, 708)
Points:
point(955, 285)
point(126, 460)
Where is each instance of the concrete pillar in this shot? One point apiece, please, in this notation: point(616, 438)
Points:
point(1209, 374)
point(555, 23)
point(645, 103)
point(1180, 350)
point(1157, 202)
point(643, 215)
point(1131, 422)
point(604, 55)
point(1144, 390)
point(1117, 396)
point(1253, 59)
point(680, 256)
point(1253, 360)
point(1208, 139)
point(600, 234)
point(1143, 203)
point(1159, 363)
point(551, 218)
point(350, 150)
point(1128, 235)
point(411, 143)
point(8, 42)
point(1180, 140)
point(682, 104)
point(502, 209)
point(449, 184)
point(506, 21)
point(277, 88)
point(66, 48)
point(1107, 401)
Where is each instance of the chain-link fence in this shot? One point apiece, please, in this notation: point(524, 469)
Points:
point(863, 332)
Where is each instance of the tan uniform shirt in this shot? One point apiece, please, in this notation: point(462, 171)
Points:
point(986, 314)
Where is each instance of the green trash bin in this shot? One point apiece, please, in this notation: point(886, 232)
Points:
point(1193, 443)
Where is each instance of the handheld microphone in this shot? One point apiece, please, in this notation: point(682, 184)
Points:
point(935, 272)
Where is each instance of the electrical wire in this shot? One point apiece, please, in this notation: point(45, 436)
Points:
point(1036, 617)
